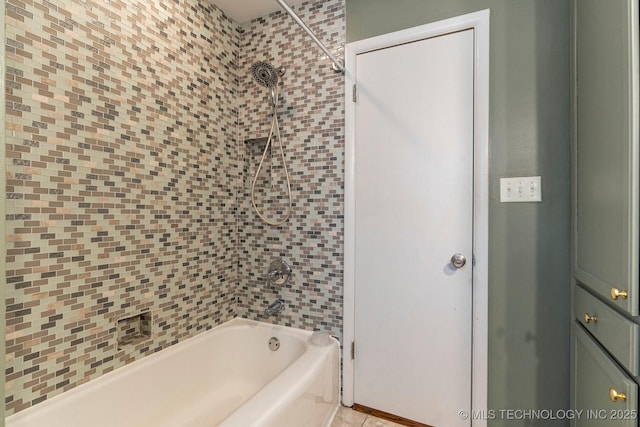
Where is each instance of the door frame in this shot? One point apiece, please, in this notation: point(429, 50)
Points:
point(479, 22)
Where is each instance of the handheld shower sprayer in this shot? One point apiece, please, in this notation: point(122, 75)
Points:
point(267, 75)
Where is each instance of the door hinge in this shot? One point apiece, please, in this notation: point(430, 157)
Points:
point(353, 350)
point(355, 93)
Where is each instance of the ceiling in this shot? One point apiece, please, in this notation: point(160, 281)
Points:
point(246, 10)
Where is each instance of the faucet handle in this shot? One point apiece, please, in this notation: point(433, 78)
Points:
point(272, 276)
point(279, 273)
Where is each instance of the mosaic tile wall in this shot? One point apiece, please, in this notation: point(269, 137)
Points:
point(123, 168)
point(312, 127)
point(128, 183)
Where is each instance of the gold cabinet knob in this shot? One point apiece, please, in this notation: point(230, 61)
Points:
point(616, 293)
point(615, 396)
point(589, 318)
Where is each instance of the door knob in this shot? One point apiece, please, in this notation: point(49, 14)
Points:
point(458, 260)
point(589, 318)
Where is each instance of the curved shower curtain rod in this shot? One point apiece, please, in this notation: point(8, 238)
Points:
point(338, 65)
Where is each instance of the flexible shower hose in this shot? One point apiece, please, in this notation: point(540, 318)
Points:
point(274, 132)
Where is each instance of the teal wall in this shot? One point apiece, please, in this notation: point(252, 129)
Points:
point(529, 243)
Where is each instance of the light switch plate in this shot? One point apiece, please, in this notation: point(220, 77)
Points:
point(521, 189)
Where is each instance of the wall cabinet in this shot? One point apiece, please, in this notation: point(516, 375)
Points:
point(606, 322)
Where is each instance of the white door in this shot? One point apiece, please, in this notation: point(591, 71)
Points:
point(413, 212)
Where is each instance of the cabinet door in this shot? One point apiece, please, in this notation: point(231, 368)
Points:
point(619, 335)
point(595, 374)
point(606, 163)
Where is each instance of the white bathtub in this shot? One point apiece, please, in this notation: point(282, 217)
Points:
point(225, 377)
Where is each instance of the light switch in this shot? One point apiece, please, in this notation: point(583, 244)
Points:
point(521, 189)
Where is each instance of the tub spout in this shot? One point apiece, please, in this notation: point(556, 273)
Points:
point(274, 308)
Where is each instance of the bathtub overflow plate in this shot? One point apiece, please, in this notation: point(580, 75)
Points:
point(274, 343)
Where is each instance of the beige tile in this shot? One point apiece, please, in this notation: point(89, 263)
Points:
point(372, 421)
point(347, 417)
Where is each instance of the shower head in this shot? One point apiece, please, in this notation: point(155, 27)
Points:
point(266, 74)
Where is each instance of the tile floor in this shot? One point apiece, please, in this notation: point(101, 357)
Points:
point(347, 417)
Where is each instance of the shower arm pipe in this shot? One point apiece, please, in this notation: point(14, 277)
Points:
point(338, 65)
